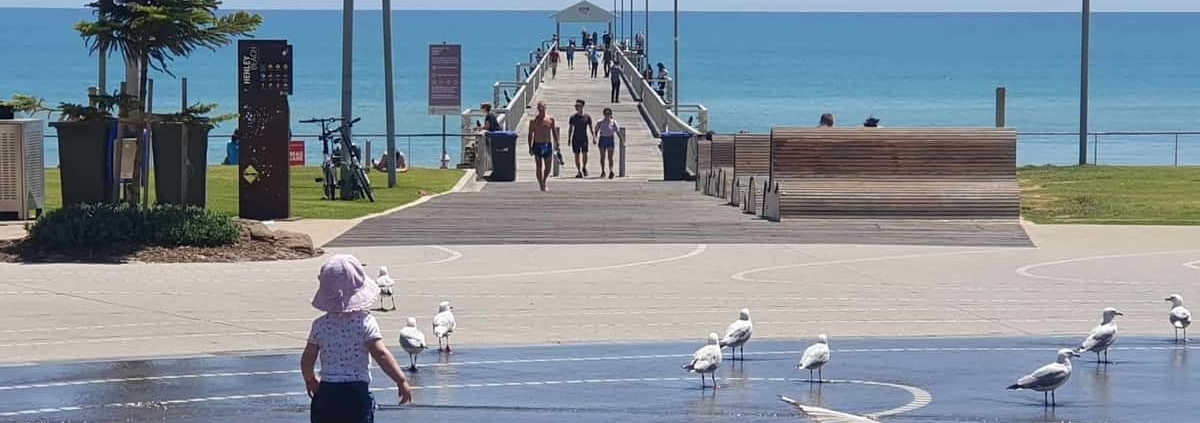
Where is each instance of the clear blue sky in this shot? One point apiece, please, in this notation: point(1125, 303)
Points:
point(723, 5)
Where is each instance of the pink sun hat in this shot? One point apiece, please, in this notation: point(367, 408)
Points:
point(344, 286)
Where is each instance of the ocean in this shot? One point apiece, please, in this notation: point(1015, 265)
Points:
point(752, 70)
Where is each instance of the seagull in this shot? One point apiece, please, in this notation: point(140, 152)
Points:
point(825, 415)
point(443, 324)
point(385, 283)
point(738, 334)
point(706, 360)
point(1102, 337)
point(1181, 318)
point(1048, 378)
point(815, 357)
point(413, 342)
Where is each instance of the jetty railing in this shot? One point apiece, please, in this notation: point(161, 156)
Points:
point(660, 115)
point(528, 79)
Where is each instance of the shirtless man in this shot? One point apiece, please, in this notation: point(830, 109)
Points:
point(542, 129)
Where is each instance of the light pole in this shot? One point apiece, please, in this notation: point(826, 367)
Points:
point(646, 48)
point(1084, 60)
point(675, 82)
point(389, 94)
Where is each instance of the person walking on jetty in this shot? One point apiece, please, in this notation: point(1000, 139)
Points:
point(608, 60)
point(577, 137)
point(571, 55)
point(594, 58)
point(615, 74)
point(605, 135)
point(554, 63)
point(345, 339)
point(542, 129)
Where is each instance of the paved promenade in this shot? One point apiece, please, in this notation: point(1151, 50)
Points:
point(617, 293)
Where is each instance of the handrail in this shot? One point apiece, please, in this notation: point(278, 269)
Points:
point(509, 115)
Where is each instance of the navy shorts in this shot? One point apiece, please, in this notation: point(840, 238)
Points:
point(578, 146)
point(349, 402)
point(607, 142)
point(543, 149)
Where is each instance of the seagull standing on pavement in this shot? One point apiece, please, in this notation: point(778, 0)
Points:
point(1048, 378)
point(1102, 337)
point(413, 342)
point(815, 357)
point(385, 283)
point(738, 334)
point(1181, 318)
point(443, 325)
point(706, 360)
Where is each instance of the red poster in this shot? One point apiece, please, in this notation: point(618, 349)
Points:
point(296, 153)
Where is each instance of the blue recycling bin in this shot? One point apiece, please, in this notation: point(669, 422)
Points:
point(674, 155)
point(503, 148)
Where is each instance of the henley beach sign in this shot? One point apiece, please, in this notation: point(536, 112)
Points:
point(445, 79)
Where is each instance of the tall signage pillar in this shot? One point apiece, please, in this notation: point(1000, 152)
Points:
point(445, 86)
point(264, 84)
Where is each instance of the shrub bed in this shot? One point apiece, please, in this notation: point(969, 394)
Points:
point(88, 227)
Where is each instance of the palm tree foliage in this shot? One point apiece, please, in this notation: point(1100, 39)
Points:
point(152, 33)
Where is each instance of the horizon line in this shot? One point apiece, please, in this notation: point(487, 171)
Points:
point(367, 9)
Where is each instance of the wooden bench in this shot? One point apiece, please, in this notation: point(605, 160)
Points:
point(751, 163)
point(947, 173)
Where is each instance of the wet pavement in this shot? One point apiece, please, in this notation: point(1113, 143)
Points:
point(923, 380)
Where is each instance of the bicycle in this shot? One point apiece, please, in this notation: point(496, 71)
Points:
point(345, 157)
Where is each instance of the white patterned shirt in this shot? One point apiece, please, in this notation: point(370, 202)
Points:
point(343, 339)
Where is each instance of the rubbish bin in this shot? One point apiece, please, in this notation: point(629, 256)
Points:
point(674, 155)
point(503, 147)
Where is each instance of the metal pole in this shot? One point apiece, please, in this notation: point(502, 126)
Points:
point(1095, 149)
point(675, 81)
point(1085, 47)
point(347, 60)
point(1176, 149)
point(646, 48)
point(103, 68)
point(183, 163)
point(389, 95)
point(445, 163)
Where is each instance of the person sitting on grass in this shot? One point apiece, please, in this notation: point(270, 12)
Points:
point(401, 163)
point(345, 339)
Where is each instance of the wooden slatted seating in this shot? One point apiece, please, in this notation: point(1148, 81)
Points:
point(950, 173)
point(751, 160)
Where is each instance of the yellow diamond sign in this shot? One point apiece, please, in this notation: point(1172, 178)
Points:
point(250, 174)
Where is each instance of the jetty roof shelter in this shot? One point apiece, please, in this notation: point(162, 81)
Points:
point(583, 12)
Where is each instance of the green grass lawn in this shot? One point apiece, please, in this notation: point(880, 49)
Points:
point(1111, 195)
point(306, 194)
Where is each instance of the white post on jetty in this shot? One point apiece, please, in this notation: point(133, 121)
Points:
point(1085, 47)
point(389, 96)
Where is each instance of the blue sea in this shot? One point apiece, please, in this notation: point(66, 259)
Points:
point(752, 70)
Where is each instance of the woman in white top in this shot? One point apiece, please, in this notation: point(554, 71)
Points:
point(605, 134)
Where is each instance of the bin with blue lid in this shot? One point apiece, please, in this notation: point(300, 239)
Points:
point(674, 155)
point(503, 147)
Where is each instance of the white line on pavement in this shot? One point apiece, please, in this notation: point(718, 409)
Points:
point(743, 275)
point(700, 248)
point(1027, 271)
point(577, 360)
